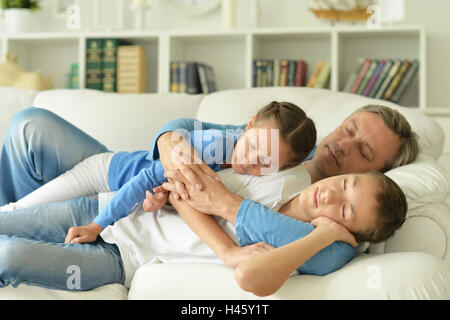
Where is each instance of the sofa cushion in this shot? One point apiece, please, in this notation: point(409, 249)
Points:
point(113, 291)
point(365, 277)
point(122, 122)
point(327, 108)
point(12, 101)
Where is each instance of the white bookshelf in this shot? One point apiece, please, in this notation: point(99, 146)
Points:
point(231, 53)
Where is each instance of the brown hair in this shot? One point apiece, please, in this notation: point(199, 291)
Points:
point(391, 210)
point(295, 128)
point(397, 123)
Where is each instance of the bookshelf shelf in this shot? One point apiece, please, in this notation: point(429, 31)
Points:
point(224, 53)
point(231, 53)
point(311, 47)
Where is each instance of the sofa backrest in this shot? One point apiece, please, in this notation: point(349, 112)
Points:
point(327, 108)
point(122, 122)
point(12, 100)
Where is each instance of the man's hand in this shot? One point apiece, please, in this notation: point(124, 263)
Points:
point(214, 198)
point(233, 256)
point(156, 200)
point(334, 230)
point(83, 234)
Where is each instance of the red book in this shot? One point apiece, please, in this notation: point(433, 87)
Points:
point(300, 75)
point(361, 75)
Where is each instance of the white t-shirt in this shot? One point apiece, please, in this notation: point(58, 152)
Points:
point(163, 236)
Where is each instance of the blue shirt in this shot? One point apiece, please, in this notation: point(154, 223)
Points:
point(132, 173)
point(255, 223)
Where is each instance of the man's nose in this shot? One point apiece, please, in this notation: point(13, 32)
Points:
point(345, 146)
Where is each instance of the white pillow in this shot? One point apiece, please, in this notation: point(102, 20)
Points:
point(423, 181)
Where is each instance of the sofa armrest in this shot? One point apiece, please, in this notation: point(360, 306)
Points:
point(426, 229)
point(402, 275)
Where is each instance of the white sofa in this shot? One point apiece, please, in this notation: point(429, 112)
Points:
point(413, 264)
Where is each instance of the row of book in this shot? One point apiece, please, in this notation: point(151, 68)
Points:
point(289, 73)
point(191, 77)
point(114, 65)
point(382, 78)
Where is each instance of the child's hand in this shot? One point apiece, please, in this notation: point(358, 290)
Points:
point(155, 201)
point(232, 257)
point(334, 230)
point(83, 234)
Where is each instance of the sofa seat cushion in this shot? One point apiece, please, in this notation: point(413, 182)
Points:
point(365, 277)
point(113, 291)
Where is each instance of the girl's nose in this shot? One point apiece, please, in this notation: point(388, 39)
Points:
point(329, 196)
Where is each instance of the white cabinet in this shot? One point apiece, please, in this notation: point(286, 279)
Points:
point(231, 53)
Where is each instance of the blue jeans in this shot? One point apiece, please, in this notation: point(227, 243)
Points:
point(39, 146)
point(32, 249)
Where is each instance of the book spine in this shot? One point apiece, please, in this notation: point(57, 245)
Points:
point(73, 76)
point(259, 70)
point(291, 73)
point(361, 75)
point(352, 78)
point(182, 78)
point(174, 77)
point(367, 77)
point(94, 65)
point(270, 73)
point(300, 73)
point(276, 72)
point(324, 75)
point(110, 65)
point(381, 78)
point(374, 78)
point(312, 81)
point(211, 79)
point(284, 72)
point(264, 73)
point(254, 80)
point(396, 81)
point(193, 79)
point(405, 81)
point(392, 72)
point(131, 69)
point(203, 78)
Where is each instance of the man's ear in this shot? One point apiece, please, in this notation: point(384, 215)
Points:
point(252, 121)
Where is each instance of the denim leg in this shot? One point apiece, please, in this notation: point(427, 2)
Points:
point(39, 146)
point(49, 222)
point(58, 265)
point(32, 249)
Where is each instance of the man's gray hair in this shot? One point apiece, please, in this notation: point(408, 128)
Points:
point(397, 123)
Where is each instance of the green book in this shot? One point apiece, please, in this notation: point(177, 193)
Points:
point(73, 76)
point(109, 71)
point(368, 76)
point(291, 72)
point(324, 76)
point(94, 67)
